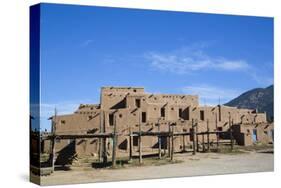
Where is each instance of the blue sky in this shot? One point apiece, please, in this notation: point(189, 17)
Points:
point(84, 48)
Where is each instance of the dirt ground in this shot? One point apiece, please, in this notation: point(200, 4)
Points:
point(189, 165)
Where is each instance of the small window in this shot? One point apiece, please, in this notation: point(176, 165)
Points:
point(135, 141)
point(143, 117)
point(162, 112)
point(135, 90)
point(120, 115)
point(57, 140)
point(202, 117)
point(111, 119)
point(138, 103)
point(62, 121)
point(180, 113)
point(172, 108)
point(187, 113)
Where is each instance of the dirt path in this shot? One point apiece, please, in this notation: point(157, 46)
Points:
point(201, 164)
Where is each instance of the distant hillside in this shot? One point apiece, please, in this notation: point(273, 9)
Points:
point(259, 98)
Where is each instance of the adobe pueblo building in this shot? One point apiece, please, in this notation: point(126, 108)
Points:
point(130, 111)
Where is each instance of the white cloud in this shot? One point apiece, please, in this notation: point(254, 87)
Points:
point(210, 95)
point(189, 59)
point(86, 42)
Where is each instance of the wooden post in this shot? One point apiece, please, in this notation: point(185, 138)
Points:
point(140, 143)
point(231, 136)
point(104, 153)
point(172, 139)
point(114, 138)
point(203, 141)
point(230, 132)
point(196, 135)
point(100, 139)
point(54, 140)
point(183, 143)
point(130, 145)
point(217, 134)
point(193, 135)
point(208, 136)
point(169, 141)
point(159, 142)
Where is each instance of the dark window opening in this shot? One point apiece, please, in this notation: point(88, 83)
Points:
point(202, 115)
point(187, 113)
point(111, 119)
point(135, 141)
point(162, 112)
point(138, 103)
point(62, 121)
point(143, 117)
point(180, 113)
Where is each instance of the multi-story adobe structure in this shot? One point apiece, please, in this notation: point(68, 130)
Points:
point(131, 107)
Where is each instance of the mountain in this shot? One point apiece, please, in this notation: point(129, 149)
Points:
point(259, 98)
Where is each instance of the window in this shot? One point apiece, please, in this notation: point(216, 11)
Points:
point(57, 140)
point(180, 113)
point(62, 121)
point(111, 119)
point(162, 112)
point(135, 141)
point(143, 117)
point(90, 117)
point(120, 115)
point(138, 103)
point(202, 115)
point(187, 113)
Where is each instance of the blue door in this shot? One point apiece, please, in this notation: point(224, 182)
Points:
point(254, 135)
